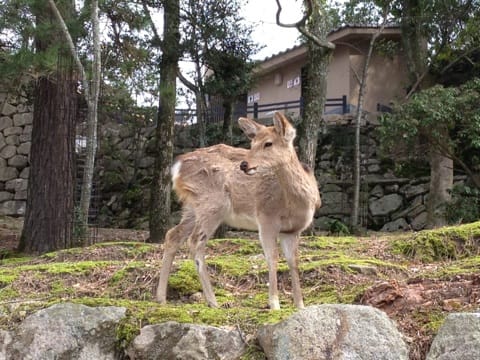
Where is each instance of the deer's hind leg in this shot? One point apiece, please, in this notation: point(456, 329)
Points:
point(175, 237)
point(205, 226)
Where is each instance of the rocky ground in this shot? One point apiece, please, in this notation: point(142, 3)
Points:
point(416, 278)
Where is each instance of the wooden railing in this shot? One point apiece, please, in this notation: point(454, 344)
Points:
point(215, 113)
point(256, 108)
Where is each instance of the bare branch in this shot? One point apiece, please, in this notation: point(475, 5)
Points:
point(465, 55)
point(300, 25)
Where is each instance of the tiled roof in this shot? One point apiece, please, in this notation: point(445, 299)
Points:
point(330, 34)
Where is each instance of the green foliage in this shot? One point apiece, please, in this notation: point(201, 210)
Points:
point(132, 196)
point(338, 228)
point(464, 206)
point(447, 119)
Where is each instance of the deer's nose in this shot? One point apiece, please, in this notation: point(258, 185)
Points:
point(244, 166)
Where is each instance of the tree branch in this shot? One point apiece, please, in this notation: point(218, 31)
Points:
point(300, 25)
point(191, 86)
point(71, 47)
point(152, 24)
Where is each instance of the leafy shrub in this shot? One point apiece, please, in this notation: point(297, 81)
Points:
point(465, 205)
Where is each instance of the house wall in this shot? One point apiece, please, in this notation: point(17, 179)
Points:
point(386, 80)
point(278, 86)
point(338, 81)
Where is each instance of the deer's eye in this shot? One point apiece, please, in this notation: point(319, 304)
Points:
point(268, 144)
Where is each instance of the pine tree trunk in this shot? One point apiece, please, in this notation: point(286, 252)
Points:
point(49, 211)
point(161, 186)
point(50, 202)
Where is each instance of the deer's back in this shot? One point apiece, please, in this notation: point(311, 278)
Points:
point(207, 172)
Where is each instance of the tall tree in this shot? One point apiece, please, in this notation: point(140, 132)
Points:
point(231, 75)
point(161, 187)
point(315, 26)
point(357, 12)
point(50, 203)
point(217, 41)
point(431, 33)
point(91, 89)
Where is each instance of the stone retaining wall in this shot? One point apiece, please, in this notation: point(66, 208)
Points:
point(125, 161)
point(15, 140)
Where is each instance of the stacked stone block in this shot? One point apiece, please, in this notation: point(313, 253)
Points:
point(16, 119)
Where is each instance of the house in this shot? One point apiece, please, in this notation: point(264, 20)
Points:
point(280, 82)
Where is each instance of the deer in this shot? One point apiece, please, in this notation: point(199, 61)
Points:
point(265, 188)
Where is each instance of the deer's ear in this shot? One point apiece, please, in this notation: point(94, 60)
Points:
point(283, 127)
point(249, 127)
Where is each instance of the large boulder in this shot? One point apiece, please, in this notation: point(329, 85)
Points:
point(172, 340)
point(67, 331)
point(457, 339)
point(385, 205)
point(334, 332)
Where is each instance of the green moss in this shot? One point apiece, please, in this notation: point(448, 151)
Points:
point(317, 261)
point(326, 242)
point(9, 274)
point(76, 268)
point(58, 288)
point(8, 293)
point(184, 280)
point(123, 272)
point(430, 321)
point(445, 243)
point(6, 278)
point(15, 259)
point(465, 266)
point(237, 246)
point(133, 247)
point(236, 266)
point(141, 313)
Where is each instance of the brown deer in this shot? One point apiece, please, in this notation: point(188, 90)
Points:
point(265, 188)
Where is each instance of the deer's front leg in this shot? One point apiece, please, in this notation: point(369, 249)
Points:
point(268, 238)
point(289, 243)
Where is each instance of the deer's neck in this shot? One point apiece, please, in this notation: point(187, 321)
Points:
point(296, 182)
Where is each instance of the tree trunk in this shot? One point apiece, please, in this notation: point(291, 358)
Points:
point(92, 120)
point(50, 203)
point(315, 88)
point(201, 118)
point(358, 119)
point(91, 92)
point(441, 181)
point(161, 188)
point(227, 128)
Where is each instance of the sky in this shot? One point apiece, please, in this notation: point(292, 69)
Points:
point(261, 14)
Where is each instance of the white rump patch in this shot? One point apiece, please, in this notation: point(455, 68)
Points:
point(175, 170)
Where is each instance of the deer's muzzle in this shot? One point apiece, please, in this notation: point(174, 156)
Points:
point(245, 168)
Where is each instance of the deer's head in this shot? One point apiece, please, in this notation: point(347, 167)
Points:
point(271, 146)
